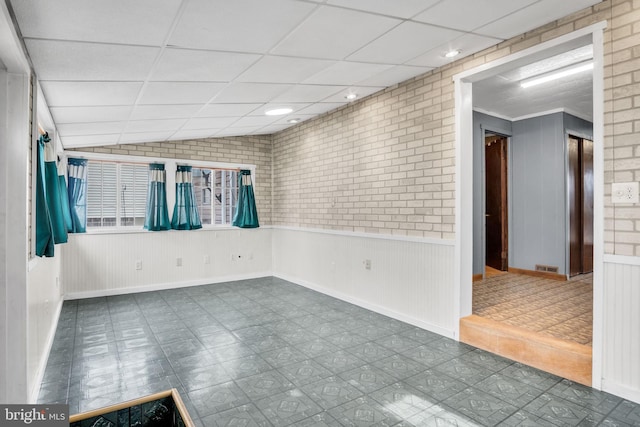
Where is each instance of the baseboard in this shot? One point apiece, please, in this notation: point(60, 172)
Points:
point(631, 394)
point(369, 306)
point(477, 277)
point(42, 366)
point(164, 286)
point(545, 274)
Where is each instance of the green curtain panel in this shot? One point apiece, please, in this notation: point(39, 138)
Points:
point(44, 231)
point(157, 215)
point(77, 194)
point(64, 202)
point(185, 211)
point(53, 196)
point(246, 213)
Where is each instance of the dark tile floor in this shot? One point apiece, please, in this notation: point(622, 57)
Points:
point(267, 352)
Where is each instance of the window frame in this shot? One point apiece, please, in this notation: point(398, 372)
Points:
point(170, 168)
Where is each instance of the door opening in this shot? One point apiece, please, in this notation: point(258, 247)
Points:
point(496, 203)
point(580, 199)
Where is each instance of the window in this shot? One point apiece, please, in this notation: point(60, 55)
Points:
point(116, 194)
point(216, 194)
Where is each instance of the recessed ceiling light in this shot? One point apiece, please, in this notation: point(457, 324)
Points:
point(452, 53)
point(554, 75)
point(293, 121)
point(278, 111)
point(351, 96)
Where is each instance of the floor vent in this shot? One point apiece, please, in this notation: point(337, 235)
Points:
point(547, 268)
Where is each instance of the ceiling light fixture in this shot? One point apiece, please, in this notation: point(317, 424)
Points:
point(351, 96)
point(293, 121)
point(452, 53)
point(554, 75)
point(278, 111)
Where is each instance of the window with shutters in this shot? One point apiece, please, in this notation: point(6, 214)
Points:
point(216, 192)
point(116, 194)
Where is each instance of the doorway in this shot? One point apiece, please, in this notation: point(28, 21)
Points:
point(496, 203)
point(580, 201)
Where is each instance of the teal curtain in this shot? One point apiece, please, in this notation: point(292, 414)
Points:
point(246, 215)
point(64, 202)
point(185, 211)
point(77, 194)
point(157, 215)
point(51, 226)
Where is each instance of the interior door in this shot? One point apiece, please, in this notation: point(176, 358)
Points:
point(580, 194)
point(496, 238)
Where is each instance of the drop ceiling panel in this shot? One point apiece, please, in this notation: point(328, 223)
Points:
point(201, 65)
point(227, 110)
point(403, 43)
point(179, 92)
point(240, 25)
point(62, 60)
point(209, 123)
point(360, 91)
point(76, 129)
point(255, 121)
point(477, 13)
point(193, 134)
point(144, 137)
point(181, 111)
point(282, 69)
point(154, 125)
point(344, 72)
point(90, 140)
point(233, 131)
point(90, 93)
point(307, 93)
point(397, 8)
point(467, 44)
point(90, 114)
point(532, 16)
point(295, 107)
point(334, 33)
point(140, 22)
point(322, 107)
point(250, 92)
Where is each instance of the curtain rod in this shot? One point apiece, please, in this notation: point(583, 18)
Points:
point(41, 130)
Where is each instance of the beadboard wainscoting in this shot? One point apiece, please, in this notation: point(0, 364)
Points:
point(408, 279)
point(621, 327)
point(109, 264)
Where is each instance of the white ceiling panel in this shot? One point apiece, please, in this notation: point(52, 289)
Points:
point(344, 72)
point(63, 60)
point(151, 112)
point(360, 91)
point(334, 33)
point(239, 25)
point(250, 92)
point(267, 130)
point(227, 110)
point(255, 121)
point(209, 123)
point(467, 45)
point(179, 92)
point(89, 140)
point(200, 65)
point(532, 16)
point(60, 94)
point(192, 134)
point(398, 8)
point(403, 43)
point(75, 129)
point(140, 22)
point(282, 69)
point(477, 13)
point(154, 125)
point(295, 107)
point(241, 130)
point(307, 93)
point(393, 75)
point(90, 114)
point(322, 107)
point(144, 137)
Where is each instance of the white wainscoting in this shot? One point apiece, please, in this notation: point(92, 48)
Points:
point(410, 279)
point(621, 328)
point(105, 264)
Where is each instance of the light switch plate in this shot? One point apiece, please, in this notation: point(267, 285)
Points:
point(625, 192)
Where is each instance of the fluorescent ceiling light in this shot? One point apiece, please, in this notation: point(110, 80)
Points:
point(293, 121)
point(351, 96)
point(554, 75)
point(278, 111)
point(452, 53)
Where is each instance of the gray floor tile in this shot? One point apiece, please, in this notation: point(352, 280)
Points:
point(370, 352)
point(627, 412)
point(264, 384)
point(203, 377)
point(246, 366)
point(562, 412)
point(288, 407)
point(218, 398)
point(508, 389)
point(304, 372)
point(339, 361)
point(436, 384)
point(585, 396)
point(399, 366)
point(317, 347)
point(244, 415)
point(323, 419)
point(331, 392)
point(480, 406)
point(403, 400)
point(464, 371)
point(531, 376)
point(487, 360)
point(283, 356)
point(364, 412)
point(368, 378)
point(427, 355)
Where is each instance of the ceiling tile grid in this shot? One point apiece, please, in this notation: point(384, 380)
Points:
point(116, 71)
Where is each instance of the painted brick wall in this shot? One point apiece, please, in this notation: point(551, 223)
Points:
point(254, 150)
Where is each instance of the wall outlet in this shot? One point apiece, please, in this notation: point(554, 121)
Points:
point(178, 262)
point(139, 265)
point(207, 259)
point(367, 264)
point(625, 192)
